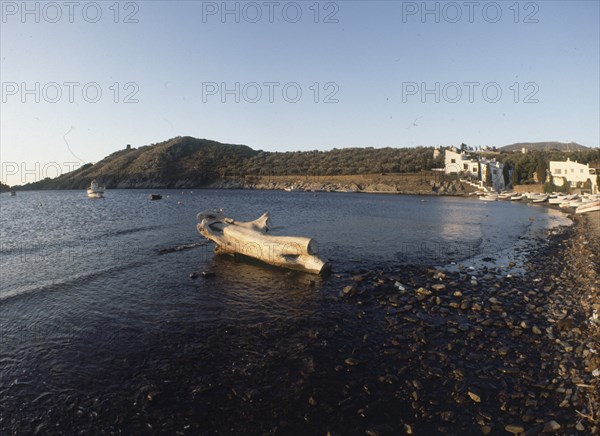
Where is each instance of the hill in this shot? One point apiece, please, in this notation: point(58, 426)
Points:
point(186, 162)
point(544, 146)
point(176, 163)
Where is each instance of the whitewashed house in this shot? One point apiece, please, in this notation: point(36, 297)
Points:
point(456, 162)
point(461, 163)
point(573, 173)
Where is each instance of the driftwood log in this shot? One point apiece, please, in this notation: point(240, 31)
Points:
point(251, 239)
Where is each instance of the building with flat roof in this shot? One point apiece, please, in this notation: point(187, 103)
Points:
point(574, 174)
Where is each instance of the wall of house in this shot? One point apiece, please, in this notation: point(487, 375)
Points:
point(456, 163)
point(573, 172)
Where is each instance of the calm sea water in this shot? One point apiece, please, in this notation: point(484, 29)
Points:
point(101, 328)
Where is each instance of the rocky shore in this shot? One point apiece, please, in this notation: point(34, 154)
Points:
point(480, 351)
point(385, 184)
point(418, 350)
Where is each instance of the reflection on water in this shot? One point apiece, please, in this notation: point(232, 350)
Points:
point(101, 327)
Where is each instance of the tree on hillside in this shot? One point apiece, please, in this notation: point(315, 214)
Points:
point(488, 176)
point(506, 175)
point(516, 175)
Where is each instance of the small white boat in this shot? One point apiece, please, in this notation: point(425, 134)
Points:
point(538, 198)
point(575, 203)
point(95, 191)
point(557, 200)
point(592, 206)
point(516, 197)
point(489, 198)
point(505, 195)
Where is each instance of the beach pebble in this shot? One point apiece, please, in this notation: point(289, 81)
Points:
point(474, 394)
point(551, 427)
point(351, 361)
point(514, 428)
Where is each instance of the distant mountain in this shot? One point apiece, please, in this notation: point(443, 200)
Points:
point(544, 146)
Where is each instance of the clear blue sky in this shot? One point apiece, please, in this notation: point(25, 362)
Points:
point(378, 63)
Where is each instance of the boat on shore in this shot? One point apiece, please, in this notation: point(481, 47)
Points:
point(560, 199)
point(489, 197)
point(505, 195)
point(591, 206)
point(95, 191)
point(539, 198)
point(516, 197)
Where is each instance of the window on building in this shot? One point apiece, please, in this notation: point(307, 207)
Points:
point(581, 170)
point(466, 167)
point(452, 160)
point(557, 171)
point(475, 168)
point(572, 170)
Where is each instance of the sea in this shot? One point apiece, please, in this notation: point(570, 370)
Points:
point(102, 329)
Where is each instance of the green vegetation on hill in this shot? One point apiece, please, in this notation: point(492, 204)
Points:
point(189, 162)
point(185, 162)
point(524, 165)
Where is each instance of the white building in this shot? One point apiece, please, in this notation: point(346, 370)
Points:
point(462, 163)
point(573, 173)
point(455, 163)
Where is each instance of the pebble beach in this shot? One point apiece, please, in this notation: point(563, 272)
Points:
point(482, 351)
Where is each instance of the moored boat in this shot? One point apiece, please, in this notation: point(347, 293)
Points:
point(488, 198)
point(155, 196)
point(95, 191)
point(591, 206)
point(539, 198)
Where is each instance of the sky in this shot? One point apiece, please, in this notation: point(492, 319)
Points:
point(81, 80)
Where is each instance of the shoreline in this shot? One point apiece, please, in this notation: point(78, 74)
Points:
point(479, 351)
point(394, 349)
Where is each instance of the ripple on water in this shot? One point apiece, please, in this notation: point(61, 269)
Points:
point(101, 322)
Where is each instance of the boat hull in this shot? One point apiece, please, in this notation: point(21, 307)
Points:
point(92, 194)
point(594, 206)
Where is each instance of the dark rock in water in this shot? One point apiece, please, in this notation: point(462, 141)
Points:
point(194, 275)
point(207, 274)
